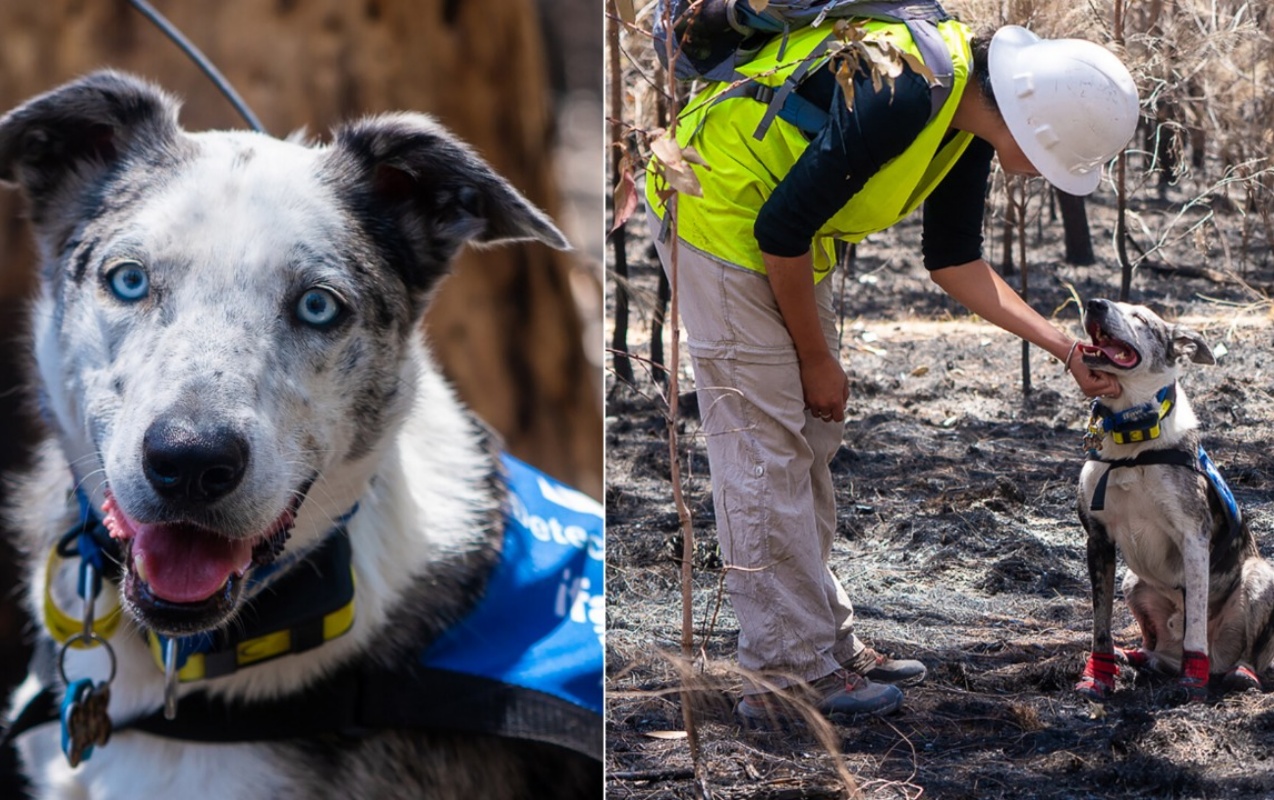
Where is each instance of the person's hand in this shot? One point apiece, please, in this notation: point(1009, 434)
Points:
point(826, 388)
point(1094, 384)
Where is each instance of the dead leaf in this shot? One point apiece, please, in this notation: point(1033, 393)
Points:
point(920, 371)
point(918, 67)
point(845, 77)
point(627, 12)
point(673, 167)
point(625, 194)
point(692, 155)
point(666, 734)
point(879, 56)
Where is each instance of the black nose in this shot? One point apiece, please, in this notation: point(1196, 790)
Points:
point(187, 461)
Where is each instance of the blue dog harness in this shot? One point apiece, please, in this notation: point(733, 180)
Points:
point(541, 621)
point(1199, 462)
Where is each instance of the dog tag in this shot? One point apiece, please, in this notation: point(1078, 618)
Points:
point(85, 723)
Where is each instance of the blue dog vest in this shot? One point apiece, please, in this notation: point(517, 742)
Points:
point(541, 622)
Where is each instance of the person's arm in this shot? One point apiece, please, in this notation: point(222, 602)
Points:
point(980, 289)
point(823, 380)
point(952, 246)
point(832, 169)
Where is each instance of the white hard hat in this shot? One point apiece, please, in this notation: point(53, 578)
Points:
point(1070, 104)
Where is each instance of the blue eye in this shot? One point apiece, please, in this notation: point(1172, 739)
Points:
point(128, 281)
point(318, 308)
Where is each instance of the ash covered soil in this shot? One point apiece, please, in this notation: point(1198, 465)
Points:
point(958, 542)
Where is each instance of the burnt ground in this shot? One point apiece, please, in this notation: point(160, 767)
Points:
point(959, 544)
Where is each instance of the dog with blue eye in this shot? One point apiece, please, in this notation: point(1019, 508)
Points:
point(1202, 595)
point(270, 553)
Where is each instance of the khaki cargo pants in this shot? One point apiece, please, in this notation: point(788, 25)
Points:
point(771, 486)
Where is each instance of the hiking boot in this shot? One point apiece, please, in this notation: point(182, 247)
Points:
point(879, 667)
point(841, 692)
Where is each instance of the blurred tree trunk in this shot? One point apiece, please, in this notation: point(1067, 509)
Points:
point(505, 326)
point(1079, 239)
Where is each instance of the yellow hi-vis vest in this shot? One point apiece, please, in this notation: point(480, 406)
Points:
point(742, 172)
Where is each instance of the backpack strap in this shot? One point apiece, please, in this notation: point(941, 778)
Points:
point(784, 103)
point(787, 89)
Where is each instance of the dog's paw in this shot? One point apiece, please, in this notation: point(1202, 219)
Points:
point(1134, 657)
point(1194, 676)
point(1094, 690)
point(1099, 676)
point(1241, 679)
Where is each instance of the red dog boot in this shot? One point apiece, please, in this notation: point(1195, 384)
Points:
point(1099, 676)
point(1194, 675)
point(1134, 657)
point(1241, 679)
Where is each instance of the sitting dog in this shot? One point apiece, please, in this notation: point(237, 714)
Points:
point(271, 554)
point(1199, 590)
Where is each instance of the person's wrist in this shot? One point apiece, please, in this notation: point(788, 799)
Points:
point(1070, 356)
point(813, 355)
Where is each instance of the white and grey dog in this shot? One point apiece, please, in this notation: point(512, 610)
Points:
point(287, 527)
point(1196, 584)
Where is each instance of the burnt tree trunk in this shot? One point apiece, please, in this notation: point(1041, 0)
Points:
point(1078, 238)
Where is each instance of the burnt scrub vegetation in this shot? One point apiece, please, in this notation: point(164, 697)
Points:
point(958, 543)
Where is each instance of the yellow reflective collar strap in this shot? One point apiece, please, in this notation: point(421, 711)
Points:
point(61, 625)
point(305, 607)
point(98, 556)
point(1132, 425)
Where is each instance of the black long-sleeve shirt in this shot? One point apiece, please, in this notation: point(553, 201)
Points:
point(852, 147)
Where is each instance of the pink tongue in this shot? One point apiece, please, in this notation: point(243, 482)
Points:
point(185, 564)
point(1115, 352)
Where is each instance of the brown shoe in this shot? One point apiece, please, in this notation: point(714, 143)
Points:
point(882, 668)
point(841, 692)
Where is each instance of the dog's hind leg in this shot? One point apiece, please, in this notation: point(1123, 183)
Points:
point(1159, 615)
point(1258, 596)
point(1098, 680)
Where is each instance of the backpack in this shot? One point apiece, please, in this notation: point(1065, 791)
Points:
point(714, 39)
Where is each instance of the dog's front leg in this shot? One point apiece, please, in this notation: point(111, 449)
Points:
point(1100, 671)
point(1194, 659)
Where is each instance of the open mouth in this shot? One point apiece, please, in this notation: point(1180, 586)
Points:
point(1106, 349)
point(183, 577)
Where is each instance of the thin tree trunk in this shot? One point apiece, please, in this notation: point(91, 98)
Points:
point(622, 365)
point(1121, 189)
point(1078, 238)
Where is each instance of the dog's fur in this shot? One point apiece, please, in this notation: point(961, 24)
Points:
point(232, 229)
point(1192, 584)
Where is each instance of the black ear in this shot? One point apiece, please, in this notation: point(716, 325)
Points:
point(432, 189)
point(1188, 344)
point(62, 143)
